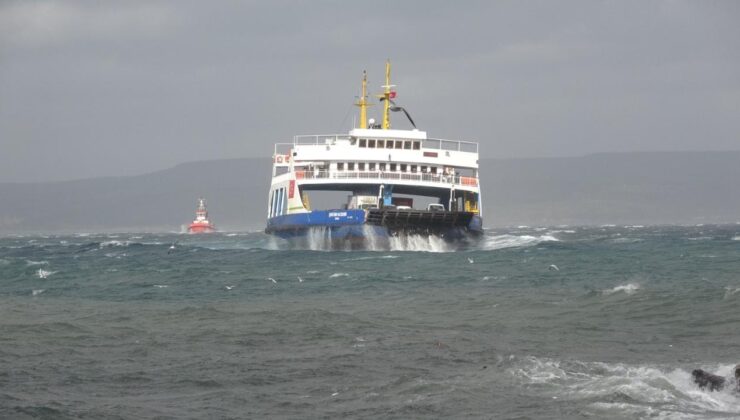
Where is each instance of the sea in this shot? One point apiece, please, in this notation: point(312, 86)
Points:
point(599, 322)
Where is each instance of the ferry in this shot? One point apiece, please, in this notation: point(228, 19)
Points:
point(397, 181)
point(201, 224)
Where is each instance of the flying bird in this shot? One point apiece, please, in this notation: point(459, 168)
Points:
point(470, 260)
point(272, 280)
point(553, 267)
point(300, 280)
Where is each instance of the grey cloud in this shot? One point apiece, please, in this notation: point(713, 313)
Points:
point(117, 88)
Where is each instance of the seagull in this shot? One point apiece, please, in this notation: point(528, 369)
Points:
point(229, 287)
point(553, 267)
point(272, 280)
point(300, 280)
point(470, 260)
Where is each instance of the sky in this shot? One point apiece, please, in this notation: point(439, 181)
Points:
point(92, 89)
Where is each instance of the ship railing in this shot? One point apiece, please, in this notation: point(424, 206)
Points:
point(434, 178)
point(309, 139)
point(431, 143)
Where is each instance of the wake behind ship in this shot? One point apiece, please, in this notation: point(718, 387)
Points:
point(386, 174)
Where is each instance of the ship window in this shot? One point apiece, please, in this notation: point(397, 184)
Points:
point(424, 169)
point(399, 144)
point(393, 167)
point(403, 167)
point(371, 166)
point(434, 169)
point(382, 166)
point(361, 166)
point(389, 144)
point(371, 144)
point(417, 145)
point(380, 144)
point(413, 168)
point(350, 166)
point(340, 166)
point(407, 145)
point(363, 142)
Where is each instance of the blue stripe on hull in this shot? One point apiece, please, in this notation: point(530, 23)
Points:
point(348, 225)
point(316, 218)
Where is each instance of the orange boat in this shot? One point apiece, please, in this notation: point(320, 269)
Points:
point(201, 224)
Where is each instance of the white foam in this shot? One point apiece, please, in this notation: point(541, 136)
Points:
point(31, 262)
point(36, 292)
point(736, 238)
point(663, 392)
point(335, 275)
point(512, 241)
point(629, 288)
point(383, 257)
point(161, 286)
point(42, 274)
point(730, 291)
point(106, 244)
point(419, 243)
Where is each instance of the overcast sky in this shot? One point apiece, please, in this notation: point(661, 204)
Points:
point(116, 88)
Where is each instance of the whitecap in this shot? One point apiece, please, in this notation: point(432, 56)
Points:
point(730, 291)
point(335, 275)
point(629, 288)
point(36, 292)
point(650, 390)
point(42, 274)
point(161, 286)
point(736, 238)
point(31, 262)
point(114, 243)
point(511, 241)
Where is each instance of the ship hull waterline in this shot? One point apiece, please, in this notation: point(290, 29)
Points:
point(360, 228)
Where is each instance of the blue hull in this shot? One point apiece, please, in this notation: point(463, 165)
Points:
point(351, 225)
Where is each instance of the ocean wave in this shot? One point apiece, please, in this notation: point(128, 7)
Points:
point(419, 243)
point(619, 389)
point(512, 241)
point(731, 291)
point(36, 292)
point(31, 262)
point(629, 288)
point(335, 275)
point(43, 274)
point(735, 238)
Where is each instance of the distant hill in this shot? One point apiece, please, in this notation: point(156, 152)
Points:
point(616, 188)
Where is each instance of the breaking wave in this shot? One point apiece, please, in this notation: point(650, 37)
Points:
point(618, 389)
point(512, 241)
point(629, 288)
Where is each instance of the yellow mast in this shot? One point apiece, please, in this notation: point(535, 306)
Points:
point(362, 102)
point(387, 96)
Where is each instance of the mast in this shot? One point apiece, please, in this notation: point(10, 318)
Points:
point(362, 102)
point(387, 94)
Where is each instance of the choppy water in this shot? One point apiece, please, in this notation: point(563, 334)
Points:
point(531, 323)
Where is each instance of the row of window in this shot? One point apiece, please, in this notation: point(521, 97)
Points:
point(382, 166)
point(390, 144)
point(278, 202)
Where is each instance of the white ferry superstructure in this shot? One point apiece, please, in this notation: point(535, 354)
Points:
point(383, 170)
